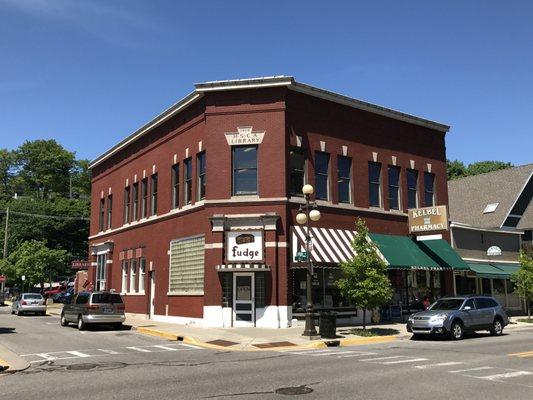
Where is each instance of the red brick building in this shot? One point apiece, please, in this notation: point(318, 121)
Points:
point(192, 215)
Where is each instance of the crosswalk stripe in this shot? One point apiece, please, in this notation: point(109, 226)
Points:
point(381, 358)
point(166, 348)
point(470, 369)
point(328, 354)
point(46, 356)
point(405, 361)
point(444, 364)
point(108, 351)
point(190, 345)
point(357, 355)
point(140, 349)
point(506, 375)
point(78, 353)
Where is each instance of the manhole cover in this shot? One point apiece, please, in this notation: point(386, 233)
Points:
point(293, 391)
point(80, 367)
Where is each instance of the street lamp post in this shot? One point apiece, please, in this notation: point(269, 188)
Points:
point(306, 213)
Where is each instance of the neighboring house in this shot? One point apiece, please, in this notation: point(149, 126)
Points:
point(193, 215)
point(492, 218)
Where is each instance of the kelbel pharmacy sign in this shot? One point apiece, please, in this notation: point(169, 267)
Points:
point(428, 219)
point(244, 246)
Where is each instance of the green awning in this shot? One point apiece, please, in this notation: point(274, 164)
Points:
point(494, 270)
point(402, 252)
point(441, 251)
point(488, 271)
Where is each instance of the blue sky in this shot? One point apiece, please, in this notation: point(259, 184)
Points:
point(88, 73)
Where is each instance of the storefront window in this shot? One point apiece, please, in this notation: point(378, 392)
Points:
point(485, 287)
point(498, 286)
point(465, 285)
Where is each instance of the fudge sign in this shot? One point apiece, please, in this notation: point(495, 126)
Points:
point(244, 246)
point(428, 219)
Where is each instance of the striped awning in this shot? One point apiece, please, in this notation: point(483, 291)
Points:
point(242, 267)
point(329, 246)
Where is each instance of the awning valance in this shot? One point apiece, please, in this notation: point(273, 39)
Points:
point(329, 246)
point(253, 267)
point(401, 252)
point(493, 270)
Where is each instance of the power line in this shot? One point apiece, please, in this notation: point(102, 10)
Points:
point(63, 217)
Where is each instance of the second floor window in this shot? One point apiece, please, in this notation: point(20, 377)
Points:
point(135, 202)
point(109, 211)
point(244, 170)
point(187, 165)
point(412, 188)
point(153, 192)
point(374, 184)
point(394, 187)
point(321, 175)
point(297, 166)
point(344, 165)
point(127, 204)
point(102, 216)
point(429, 189)
point(144, 198)
point(175, 186)
point(200, 166)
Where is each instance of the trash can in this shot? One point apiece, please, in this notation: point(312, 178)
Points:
point(328, 325)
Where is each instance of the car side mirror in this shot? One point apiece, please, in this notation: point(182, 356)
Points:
point(467, 308)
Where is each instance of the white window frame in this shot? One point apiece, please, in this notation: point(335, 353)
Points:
point(133, 276)
point(101, 271)
point(125, 266)
point(142, 275)
point(185, 292)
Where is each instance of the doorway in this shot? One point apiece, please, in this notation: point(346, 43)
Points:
point(243, 299)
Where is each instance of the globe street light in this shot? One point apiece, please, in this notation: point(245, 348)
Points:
point(306, 213)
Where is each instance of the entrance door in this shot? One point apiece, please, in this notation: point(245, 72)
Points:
point(243, 299)
point(152, 293)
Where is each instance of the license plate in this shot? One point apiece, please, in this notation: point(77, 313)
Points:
point(108, 310)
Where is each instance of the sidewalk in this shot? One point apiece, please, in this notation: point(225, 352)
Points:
point(261, 339)
point(11, 362)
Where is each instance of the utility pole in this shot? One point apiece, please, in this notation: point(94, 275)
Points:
point(5, 233)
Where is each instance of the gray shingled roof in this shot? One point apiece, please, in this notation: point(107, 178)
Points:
point(469, 196)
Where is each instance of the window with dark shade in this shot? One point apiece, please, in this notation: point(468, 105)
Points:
point(429, 189)
point(109, 211)
point(260, 289)
point(175, 186)
point(127, 205)
point(153, 191)
point(244, 170)
point(187, 165)
point(135, 202)
point(101, 216)
point(297, 173)
point(321, 175)
point(412, 188)
point(144, 198)
point(374, 184)
point(344, 166)
point(394, 187)
point(227, 290)
point(200, 166)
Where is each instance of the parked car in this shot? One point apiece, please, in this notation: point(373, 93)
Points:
point(64, 297)
point(87, 308)
point(29, 302)
point(454, 316)
point(52, 292)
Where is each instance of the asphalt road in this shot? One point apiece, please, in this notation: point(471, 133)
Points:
point(107, 364)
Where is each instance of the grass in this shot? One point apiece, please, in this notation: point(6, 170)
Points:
point(529, 321)
point(373, 332)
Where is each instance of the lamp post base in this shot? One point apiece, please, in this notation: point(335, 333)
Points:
point(310, 330)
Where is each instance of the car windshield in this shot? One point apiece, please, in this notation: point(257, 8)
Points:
point(33, 296)
point(447, 304)
point(107, 298)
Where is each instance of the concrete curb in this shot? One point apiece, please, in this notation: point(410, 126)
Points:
point(11, 362)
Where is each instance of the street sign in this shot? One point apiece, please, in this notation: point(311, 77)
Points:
point(2, 278)
point(302, 256)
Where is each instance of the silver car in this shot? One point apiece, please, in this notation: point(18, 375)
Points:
point(454, 316)
point(29, 302)
point(94, 308)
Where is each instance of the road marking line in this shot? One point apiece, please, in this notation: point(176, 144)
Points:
point(444, 364)
point(78, 353)
point(356, 355)
point(470, 369)
point(524, 353)
point(328, 354)
point(46, 356)
point(166, 348)
point(304, 352)
point(404, 361)
point(382, 358)
point(506, 375)
point(190, 345)
point(526, 356)
point(108, 351)
point(140, 349)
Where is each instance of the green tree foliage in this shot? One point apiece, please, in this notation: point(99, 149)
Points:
point(457, 169)
point(7, 166)
point(45, 167)
point(523, 279)
point(81, 180)
point(365, 282)
point(34, 260)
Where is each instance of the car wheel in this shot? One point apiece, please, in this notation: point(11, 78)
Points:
point(457, 331)
point(63, 321)
point(81, 324)
point(497, 328)
point(19, 313)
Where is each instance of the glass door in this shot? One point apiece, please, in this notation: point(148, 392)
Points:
point(243, 299)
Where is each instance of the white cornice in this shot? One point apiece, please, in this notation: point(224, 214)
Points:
point(475, 228)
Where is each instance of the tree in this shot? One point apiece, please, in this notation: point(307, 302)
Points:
point(45, 167)
point(365, 282)
point(81, 179)
point(34, 260)
point(523, 279)
point(482, 167)
point(455, 169)
point(7, 165)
